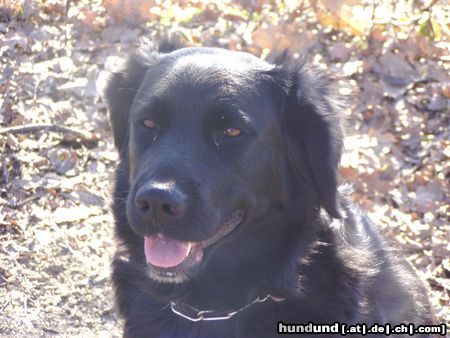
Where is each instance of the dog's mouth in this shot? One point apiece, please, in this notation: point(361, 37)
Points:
point(167, 255)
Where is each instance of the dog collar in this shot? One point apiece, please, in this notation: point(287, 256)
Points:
point(194, 315)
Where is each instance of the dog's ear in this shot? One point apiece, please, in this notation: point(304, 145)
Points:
point(123, 85)
point(314, 130)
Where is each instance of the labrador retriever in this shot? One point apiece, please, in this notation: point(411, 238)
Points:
point(229, 217)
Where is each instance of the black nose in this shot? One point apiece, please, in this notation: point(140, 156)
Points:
point(160, 202)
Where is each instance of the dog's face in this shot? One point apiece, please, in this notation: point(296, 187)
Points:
point(213, 141)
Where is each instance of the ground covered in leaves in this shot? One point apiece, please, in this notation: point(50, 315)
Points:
point(57, 156)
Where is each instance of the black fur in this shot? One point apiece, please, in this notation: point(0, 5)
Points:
point(299, 239)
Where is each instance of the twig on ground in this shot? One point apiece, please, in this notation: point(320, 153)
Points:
point(27, 200)
point(5, 305)
point(5, 174)
point(87, 136)
point(369, 35)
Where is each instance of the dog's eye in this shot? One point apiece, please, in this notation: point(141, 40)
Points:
point(232, 132)
point(150, 124)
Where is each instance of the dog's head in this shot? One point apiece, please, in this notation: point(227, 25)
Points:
point(214, 140)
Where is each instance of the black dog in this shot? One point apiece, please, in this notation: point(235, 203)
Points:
point(226, 202)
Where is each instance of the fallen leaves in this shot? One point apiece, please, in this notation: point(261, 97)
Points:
point(353, 15)
point(280, 36)
point(73, 214)
point(339, 51)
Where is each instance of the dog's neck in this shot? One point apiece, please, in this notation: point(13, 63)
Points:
point(223, 286)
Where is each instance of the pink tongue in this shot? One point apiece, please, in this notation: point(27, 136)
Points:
point(165, 252)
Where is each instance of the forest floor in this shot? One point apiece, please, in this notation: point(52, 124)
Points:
point(57, 155)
